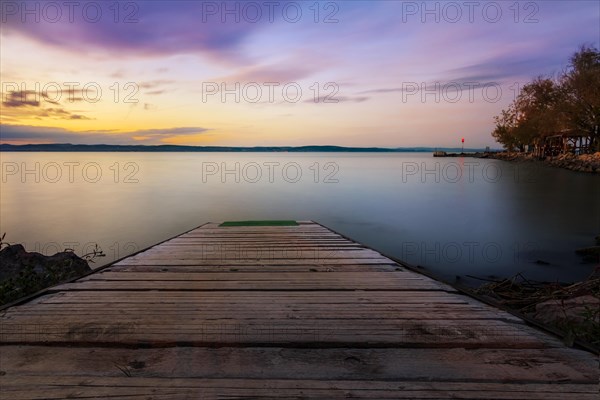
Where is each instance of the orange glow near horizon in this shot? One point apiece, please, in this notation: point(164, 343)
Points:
point(235, 84)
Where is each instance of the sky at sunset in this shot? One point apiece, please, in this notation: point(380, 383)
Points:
point(349, 73)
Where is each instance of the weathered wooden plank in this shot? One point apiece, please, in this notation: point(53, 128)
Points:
point(255, 268)
point(159, 331)
point(256, 284)
point(262, 233)
point(392, 364)
point(272, 237)
point(170, 315)
point(233, 243)
point(220, 305)
point(264, 262)
point(208, 228)
point(255, 254)
point(216, 226)
point(236, 307)
point(59, 387)
point(251, 276)
point(205, 247)
point(324, 297)
point(258, 254)
point(231, 246)
point(258, 240)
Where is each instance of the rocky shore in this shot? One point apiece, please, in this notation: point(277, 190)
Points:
point(583, 163)
point(573, 310)
point(23, 273)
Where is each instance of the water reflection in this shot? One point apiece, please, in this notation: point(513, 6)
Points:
point(454, 216)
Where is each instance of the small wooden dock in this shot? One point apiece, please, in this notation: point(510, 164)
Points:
point(274, 312)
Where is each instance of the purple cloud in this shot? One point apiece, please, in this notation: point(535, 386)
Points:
point(60, 135)
point(137, 28)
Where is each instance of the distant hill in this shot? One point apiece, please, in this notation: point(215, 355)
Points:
point(66, 147)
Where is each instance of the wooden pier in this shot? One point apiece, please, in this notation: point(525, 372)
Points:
point(274, 312)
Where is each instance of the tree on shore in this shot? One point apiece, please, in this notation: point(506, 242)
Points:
point(547, 106)
point(581, 92)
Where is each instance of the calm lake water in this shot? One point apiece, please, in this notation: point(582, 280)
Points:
point(453, 216)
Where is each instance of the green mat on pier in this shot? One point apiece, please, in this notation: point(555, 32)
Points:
point(259, 223)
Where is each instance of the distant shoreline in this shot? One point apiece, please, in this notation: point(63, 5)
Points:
point(59, 147)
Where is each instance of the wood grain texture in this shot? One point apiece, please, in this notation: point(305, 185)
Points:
point(271, 313)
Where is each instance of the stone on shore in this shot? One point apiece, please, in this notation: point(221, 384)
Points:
point(23, 273)
point(589, 163)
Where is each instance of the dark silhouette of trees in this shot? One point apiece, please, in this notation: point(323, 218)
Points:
point(581, 92)
point(547, 106)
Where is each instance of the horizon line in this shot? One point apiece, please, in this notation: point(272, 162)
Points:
point(32, 146)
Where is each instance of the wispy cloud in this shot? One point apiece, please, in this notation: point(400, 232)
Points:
point(337, 99)
point(283, 72)
point(156, 87)
point(154, 84)
point(36, 134)
point(21, 98)
point(32, 105)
